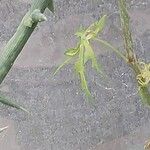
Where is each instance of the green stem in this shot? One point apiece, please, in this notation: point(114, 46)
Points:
point(24, 31)
point(111, 47)
point(125, 24)
point(129, 47)
point(145, 94)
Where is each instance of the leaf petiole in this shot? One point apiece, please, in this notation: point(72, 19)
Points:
point(113, 48)
point(64, 63)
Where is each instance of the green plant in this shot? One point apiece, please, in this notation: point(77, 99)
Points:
point(19, 39)
point(84, 52)
point(10, 103)
point(141, 69)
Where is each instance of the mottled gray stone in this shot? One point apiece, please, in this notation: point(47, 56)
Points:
point(61, 119)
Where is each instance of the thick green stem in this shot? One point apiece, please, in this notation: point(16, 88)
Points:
point(145, 94)
point(19, 39)
point(128, 44)
point(125, 23)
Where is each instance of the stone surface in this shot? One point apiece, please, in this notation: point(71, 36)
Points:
point(8, 137)
point(61, 119)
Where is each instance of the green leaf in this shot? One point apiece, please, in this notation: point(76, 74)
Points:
point(89, 55)
point(95, 28)
point(85, 52)
point(72, 51)
point(80, 70)
point(84, 84)
point(92, 30)
point(7, 102)
point(2, 129)
point(100, 24)
point(51, 6)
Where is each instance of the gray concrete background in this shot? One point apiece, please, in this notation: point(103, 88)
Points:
point(61, 119)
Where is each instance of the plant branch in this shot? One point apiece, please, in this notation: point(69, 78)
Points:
point(24, 31)
point(125, 23)
point(111, 47)
point(19, 39)
point(141, 74)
